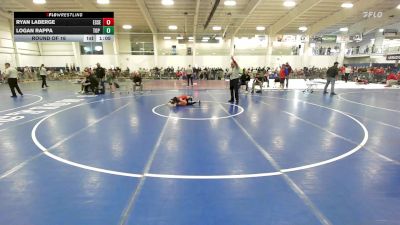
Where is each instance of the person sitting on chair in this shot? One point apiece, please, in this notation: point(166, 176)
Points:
point(137, 81)
point(183, 100)
point(258, 80)
point(244, 79)
point(391, 79)
point(92, 83)
point(85, 83)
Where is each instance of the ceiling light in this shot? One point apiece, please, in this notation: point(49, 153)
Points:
point(381, 30)
point(167, 2)
point(39, 2)
point(172, 27)
point(230, 3)
point(260, 28)
point(127, 27)
point(190, 38)
point(103, 2)
point(167, 38)
point(344, 29)
point(206, 38)
point(179, 38)
point(303, 28)
point(289, 3)
point(398, 6)
point(347, 5)
point(216, 28)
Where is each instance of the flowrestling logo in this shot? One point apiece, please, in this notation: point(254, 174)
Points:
point(372, 15)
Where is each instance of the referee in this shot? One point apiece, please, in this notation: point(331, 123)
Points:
point(12, 75)
point(234, 81)
point(189, 75)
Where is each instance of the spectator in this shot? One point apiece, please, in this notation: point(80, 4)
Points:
point(258, 80)
point(288, 71)
point(137, 82)
point(244, 79)
point(347, 71)
point(282, 75)
point(331, 75)
point(43, 75)
point(110, 76)
point(266, 76)
point(12, 75)
point(391, 79)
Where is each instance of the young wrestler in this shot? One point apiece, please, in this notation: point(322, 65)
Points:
point(183, 100)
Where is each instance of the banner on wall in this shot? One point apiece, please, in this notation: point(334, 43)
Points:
point(393, 57)
point(329, 38)
point(304, 39)
point(356, 38)
point(260, 38)
point(316, 39)
point(343, 38)
point(173, 50)
point(286, 38)
point(389, 32)
point(289, 38)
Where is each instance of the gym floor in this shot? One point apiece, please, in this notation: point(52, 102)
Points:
point(280, 158)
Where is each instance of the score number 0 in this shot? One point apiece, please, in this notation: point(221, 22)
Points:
point(108, 25)
point(108, 21)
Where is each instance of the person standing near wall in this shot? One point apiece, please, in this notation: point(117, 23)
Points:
point(189, 75)
point(347, 71)
point(288, 71)
point(282, 76)
point(331, 78)
point(110, 76)
point(100, 73)
point(43, 75)
point(12, 75)
point(234, 81)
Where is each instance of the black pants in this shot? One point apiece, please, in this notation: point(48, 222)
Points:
point(44, 83)
point(287, 81)
point(91, 88)
point(191, 103)
point(13, 83)
point(266, 79)
point(234, 87)
point(346, 77)
point(189, 77)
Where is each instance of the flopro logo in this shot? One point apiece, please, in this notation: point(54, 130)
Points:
point(371, 15)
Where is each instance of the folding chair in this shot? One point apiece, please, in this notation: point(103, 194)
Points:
point(136, 85)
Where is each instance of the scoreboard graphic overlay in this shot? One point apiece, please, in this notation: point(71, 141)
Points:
point(63, 26)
